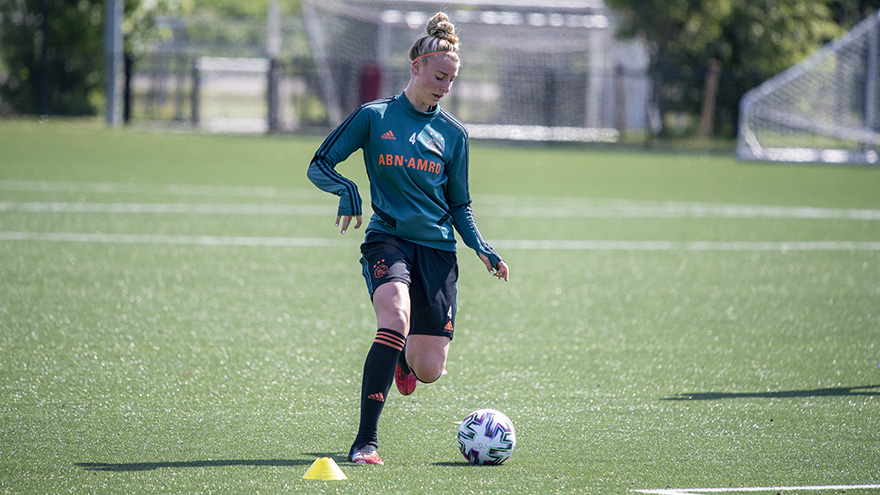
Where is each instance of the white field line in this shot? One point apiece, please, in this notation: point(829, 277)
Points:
point(196, 240)
point(577, 245)
point(495, 205)
point(488, 205)
point(681, 210)
point(186, 190)
point(614, 210)
point(205, 240)
point(774, 489)
point(168, 208)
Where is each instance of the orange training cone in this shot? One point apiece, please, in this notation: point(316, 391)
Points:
point(324, 468)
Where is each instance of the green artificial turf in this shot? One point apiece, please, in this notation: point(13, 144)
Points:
point(178, 314)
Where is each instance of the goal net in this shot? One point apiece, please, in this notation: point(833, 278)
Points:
point(825, 109)
point(229, 94)
point(530, 70)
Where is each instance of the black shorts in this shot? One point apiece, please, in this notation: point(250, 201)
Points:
point(431, 274)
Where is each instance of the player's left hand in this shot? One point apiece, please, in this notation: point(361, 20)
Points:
point(501, 271)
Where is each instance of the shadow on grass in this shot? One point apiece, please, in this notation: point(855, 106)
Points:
point(868, 390)
point(150, 466)
point(462, 463)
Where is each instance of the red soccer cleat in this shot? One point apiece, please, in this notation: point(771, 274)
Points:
point(405, 380)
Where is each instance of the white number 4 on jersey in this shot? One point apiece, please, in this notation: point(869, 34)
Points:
point(412, 139)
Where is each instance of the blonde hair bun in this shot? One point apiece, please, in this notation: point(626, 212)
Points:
point(441, 37)
point(441, 27)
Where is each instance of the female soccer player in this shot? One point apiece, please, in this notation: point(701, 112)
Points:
point(416, 155)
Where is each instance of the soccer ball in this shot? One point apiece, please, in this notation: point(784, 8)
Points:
point(486, 436)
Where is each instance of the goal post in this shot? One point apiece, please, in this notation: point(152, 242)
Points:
point(825, 109)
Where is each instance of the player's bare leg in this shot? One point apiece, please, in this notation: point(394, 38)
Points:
point(426, 356)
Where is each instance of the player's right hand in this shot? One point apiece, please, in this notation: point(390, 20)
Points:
point(346, 221)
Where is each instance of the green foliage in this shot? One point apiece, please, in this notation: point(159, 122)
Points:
point(74, 59)
point(74, 52)
point(752, 39)
point(234, 8)
point(768, 36)
point(848, 13)
point(139, 23)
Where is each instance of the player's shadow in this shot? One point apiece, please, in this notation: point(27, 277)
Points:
point(151, 466)
point(867, 390)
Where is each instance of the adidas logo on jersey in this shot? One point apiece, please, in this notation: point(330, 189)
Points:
point(389, 135)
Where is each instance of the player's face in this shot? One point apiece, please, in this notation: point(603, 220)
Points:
point(432, 80)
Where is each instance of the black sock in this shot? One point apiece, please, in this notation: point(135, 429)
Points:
point(401, 360)
point(378, 377)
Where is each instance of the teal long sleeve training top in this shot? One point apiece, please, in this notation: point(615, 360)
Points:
point(417, 164)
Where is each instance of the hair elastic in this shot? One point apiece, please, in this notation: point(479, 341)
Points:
point(432, 53)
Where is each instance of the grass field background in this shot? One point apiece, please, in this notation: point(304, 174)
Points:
point(178, 314)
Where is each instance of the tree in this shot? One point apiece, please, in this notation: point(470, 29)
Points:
point(848, 13)
point(752, 39)
point(51, 52)
point(55, 43)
